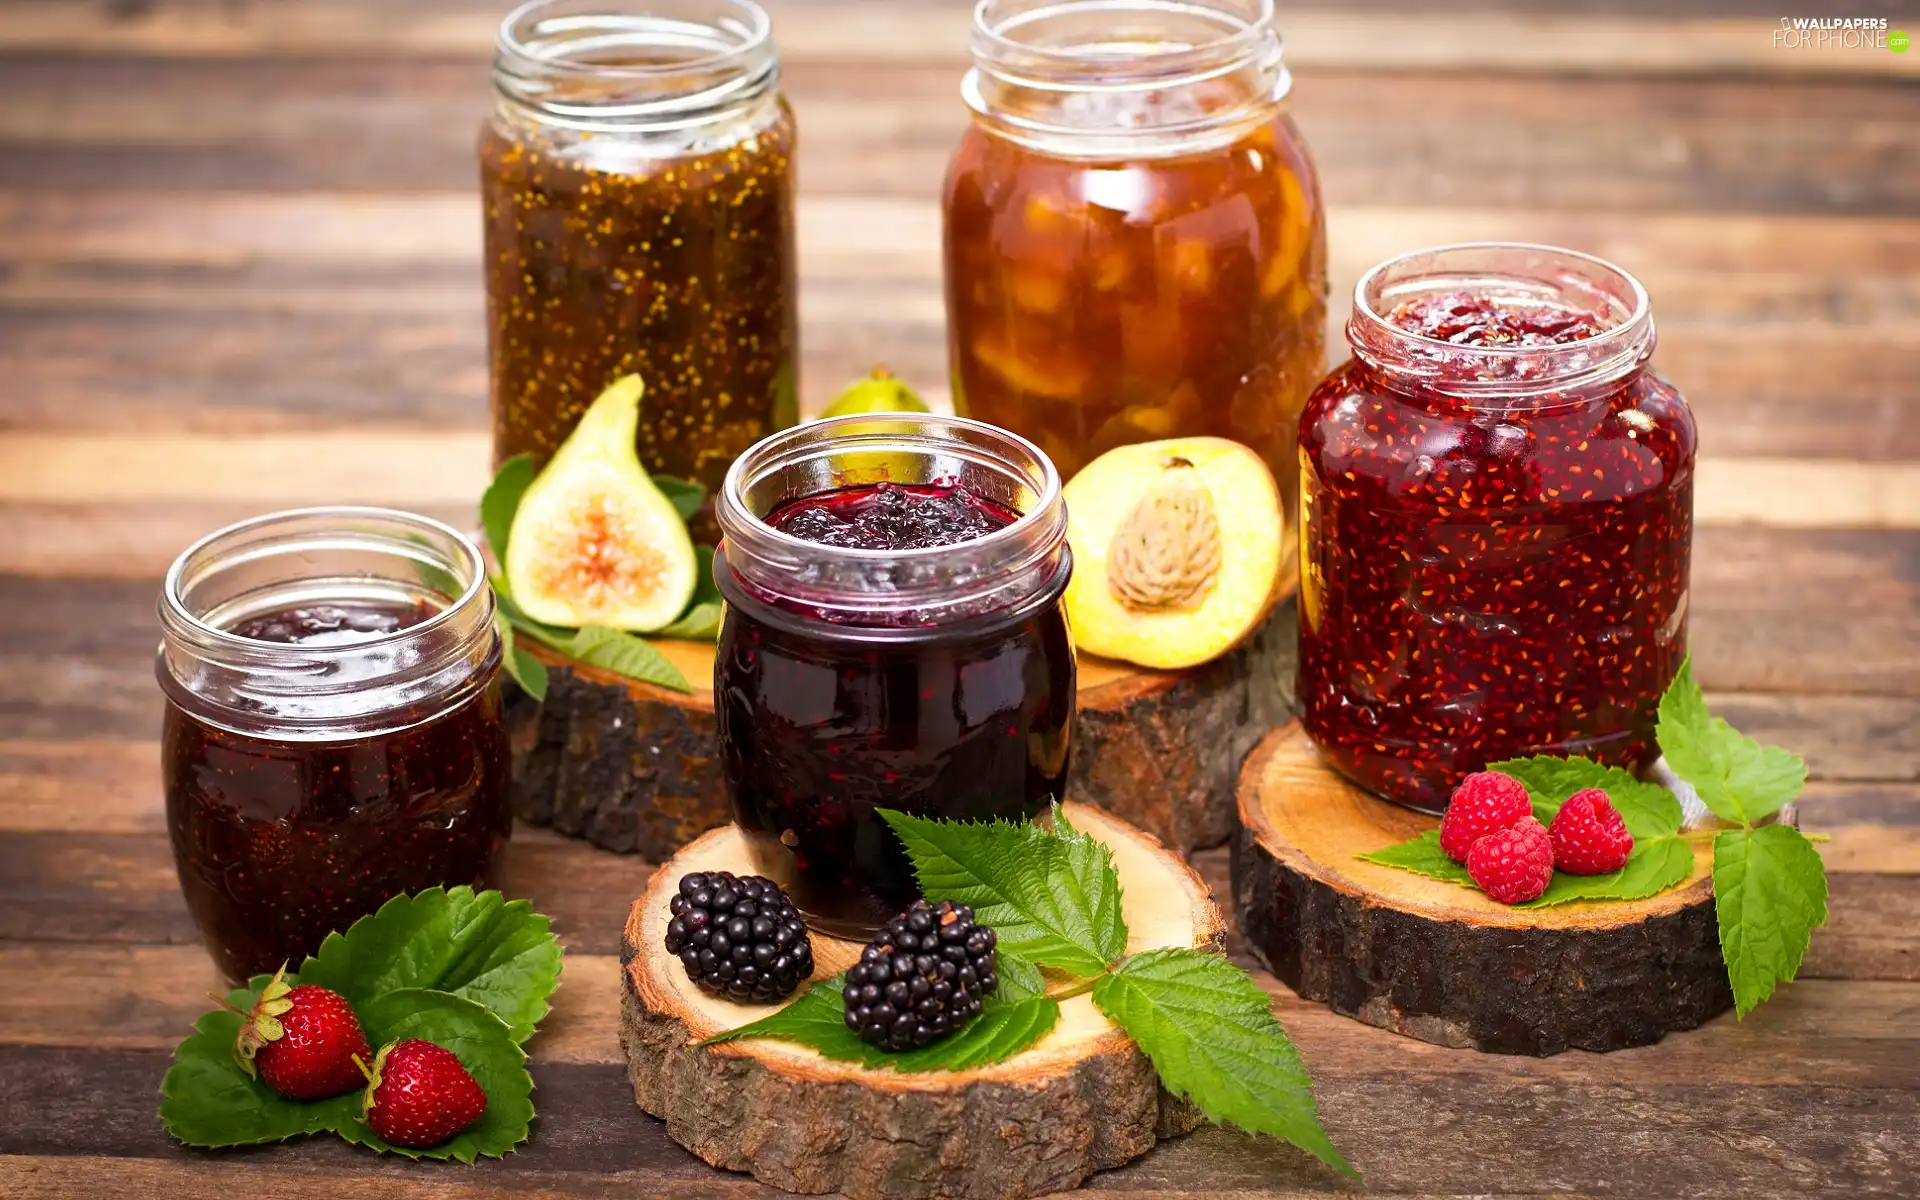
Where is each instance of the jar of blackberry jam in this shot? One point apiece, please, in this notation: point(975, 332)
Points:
point(637, 178)
point(1497, 507)
point(894, 638)
point(333, 733)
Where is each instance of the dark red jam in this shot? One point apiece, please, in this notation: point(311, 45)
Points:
point(822, 722)
point(1483, 579)
point(279, 842)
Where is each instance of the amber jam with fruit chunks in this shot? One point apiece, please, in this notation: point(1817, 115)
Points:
point(1135, 250)
point(637, 177)
point(334, 733)
point(1497, 501)
point(894, 639)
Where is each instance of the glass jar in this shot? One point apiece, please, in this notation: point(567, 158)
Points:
point(937, 681)
point(1135, 247)
point(1497, 494)
point(637, 173)
point(333, 733)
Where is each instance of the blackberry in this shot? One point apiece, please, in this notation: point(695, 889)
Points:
point(921, 977)
point(739, 937)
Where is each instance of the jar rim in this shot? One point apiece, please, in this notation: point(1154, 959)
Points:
point(854, 585)
point(547, 59)
point(183, 619)
point(1248, 33)
point(1624, 345)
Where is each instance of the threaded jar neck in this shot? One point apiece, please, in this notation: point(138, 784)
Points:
point(1106, 78)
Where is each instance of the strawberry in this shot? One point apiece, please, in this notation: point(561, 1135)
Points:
point(418, 1094)
point(1589, 837)
point(301, 1040)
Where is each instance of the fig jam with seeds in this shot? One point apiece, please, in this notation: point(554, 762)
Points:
point(324, 756)
point(908, 651)
point(1497, 509)
point(637, 179)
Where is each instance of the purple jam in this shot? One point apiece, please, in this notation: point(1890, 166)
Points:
point(821, 723)
point(280, 842)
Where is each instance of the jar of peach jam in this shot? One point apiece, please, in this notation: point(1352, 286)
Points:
point(1135, 247)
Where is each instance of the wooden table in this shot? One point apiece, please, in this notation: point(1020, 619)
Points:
point(239, 269)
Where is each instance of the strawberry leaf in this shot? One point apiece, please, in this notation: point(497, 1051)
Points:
point(207, 1099)
point(484, 1045)
point(476, 945)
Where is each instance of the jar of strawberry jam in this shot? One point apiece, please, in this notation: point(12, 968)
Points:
point(637, 177)
point(333, 733)
point(1497, 496)
point(894, 638)
point(1135, 246)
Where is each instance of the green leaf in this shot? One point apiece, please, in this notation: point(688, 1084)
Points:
point(1095, 884)
point(1019, 879)
point(1019, 978)
point(1654, 866)
point(1770, 892)
point(625, 654)
point(1422, 856)
point(1736, 777)
point(208, 1100)
point(1649, 810)
point(523, 668)
point(702, 618)
point(683, 494)
point(478, 946)
point(1213, 1038)
point(818, 1019)
point(502, 499)
point(485, 1047)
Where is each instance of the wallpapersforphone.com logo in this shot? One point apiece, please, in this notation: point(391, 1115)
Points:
point(1840, 33)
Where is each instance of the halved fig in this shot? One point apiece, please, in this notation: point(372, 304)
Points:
point(594, 542)
point(1176, 550)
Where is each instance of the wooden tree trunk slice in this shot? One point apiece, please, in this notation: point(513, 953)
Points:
point(1083, 1099)
point(633, 767)
point(1445, 963)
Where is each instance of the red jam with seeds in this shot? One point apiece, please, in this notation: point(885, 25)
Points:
point(1497, 519)
point(878, 691)
point(322, 757)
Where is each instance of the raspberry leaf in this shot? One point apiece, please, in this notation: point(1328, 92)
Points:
point(1649, 810)
point(817, 1018)
point(1050, 899)
point(484, 1045)
point(1740, 780)
point(1422, 856)
point(1213, 1038)
point(476, 945)
point(1770, 892)
point(207, 1099)
point(1654, 866)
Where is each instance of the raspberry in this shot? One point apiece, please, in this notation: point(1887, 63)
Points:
point(1589, 838)
point(1483, 803)
point(1513, 865)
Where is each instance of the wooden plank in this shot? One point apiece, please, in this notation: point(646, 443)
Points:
point(888, 129)
point(212, 1177)
point(85, 886)
point(823, 32)
point(1407, 1130)
point(444, 469)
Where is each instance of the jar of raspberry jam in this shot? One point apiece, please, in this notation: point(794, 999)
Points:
point(894, 638)
point(333, 733)
point(1497, 508)
point(1135, 237)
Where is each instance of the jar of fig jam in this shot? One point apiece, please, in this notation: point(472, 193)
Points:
point(1497, 497)
point(1135, 247)
point(333, 733)
point(894, 638)
point(637, 174)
